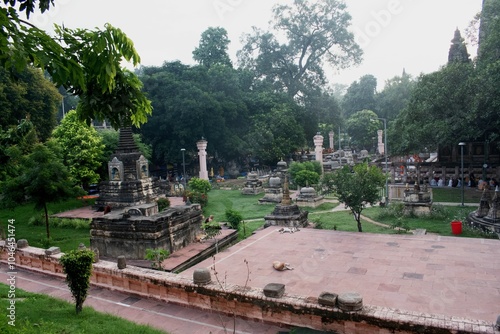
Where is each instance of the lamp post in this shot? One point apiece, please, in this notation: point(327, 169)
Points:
point(462, 144)
point(183, 168)
point(385, 154)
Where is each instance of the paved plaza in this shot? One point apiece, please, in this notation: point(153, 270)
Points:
point(430, 274)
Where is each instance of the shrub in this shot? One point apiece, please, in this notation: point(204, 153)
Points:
point(306, 177)
point(197, 197)
point(234, 218)
point(156, 256)
point(77, 264)
point(199, 185)
point(163, 203)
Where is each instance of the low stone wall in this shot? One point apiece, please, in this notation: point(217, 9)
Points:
point(251, 303)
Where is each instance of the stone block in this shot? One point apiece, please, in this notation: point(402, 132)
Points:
point(274, 290)
point(22, 243)
point(52, 251)
point(122, 262)
point(201, 276)
point(350, 301)
point(327, 299)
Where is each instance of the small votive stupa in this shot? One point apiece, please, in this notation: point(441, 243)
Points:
point(286, 213)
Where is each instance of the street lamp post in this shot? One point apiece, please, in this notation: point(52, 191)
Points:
point(183, 168)
point(462, 144)
point(385, 154)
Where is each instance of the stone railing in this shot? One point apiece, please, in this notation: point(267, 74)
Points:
point(252, 303)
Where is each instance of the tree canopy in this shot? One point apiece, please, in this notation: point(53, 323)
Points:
point(355, 188)
point(316, 33)
point(212, 49)
point(86, 62)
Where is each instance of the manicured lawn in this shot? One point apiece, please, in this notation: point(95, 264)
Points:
point(37, 313)
point(344, 221)
point(65, 238)
point(454, 195)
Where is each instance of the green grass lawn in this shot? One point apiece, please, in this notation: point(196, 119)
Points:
point(37, 313)
point(65, 238)
point(454, 195)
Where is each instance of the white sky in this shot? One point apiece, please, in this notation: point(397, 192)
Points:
point(394, 34)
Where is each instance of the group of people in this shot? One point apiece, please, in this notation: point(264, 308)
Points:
point(471, 181)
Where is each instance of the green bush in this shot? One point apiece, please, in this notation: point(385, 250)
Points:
point(197, 197)
point(156, 256)
point(163, 203)
point(77, 265)
point(306, 178)
point(296, 167)
point(199, 185)
point(234, 218)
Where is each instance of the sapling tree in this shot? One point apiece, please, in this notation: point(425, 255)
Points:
point(77, 265)
point(355, 188)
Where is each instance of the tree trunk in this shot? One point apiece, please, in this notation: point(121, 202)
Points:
point(46, 220)
point(357, 216)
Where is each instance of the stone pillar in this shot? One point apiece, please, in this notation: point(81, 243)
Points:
point(332, 144)
point(381, 150)
point(202, 153)
point(318, 150)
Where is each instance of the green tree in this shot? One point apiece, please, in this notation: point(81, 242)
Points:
point(86, 62)
point(15, 142)
point(362, 129)
point(315, 33)
point(276, 134)
point(82, 149)
point(305, 173)
point(77, 265)
point(439, 111)
point(212, 49)
point(43, 179)
point(355, 188)
point(395, 96)
point(28, 94)
point(360, 95)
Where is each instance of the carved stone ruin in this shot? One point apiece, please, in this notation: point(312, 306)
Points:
point(417, 200)
point(253, 185)
point(129, 181)
point(274, 193)
point(309, 197)
point(286, 213)
point(487, 214)
point(132, 231)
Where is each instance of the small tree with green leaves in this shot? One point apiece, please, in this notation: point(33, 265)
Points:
point(355, 188)
point(305, 173)
point(157, 256)
point(234, 218)
point(77, 265)
point(199, 185)
point(43, 179)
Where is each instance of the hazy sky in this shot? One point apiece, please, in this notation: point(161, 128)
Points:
point(394, 34)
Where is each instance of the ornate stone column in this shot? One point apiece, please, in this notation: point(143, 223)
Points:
point(318, 150)
point(202, 153)
point(332, 144)
point(381, 150)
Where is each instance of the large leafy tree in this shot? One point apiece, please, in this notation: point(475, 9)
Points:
point(316, 33)
point(86, 62)
point(28, 94)
point(360, 95)
point(82, 149)
point(276, 134)
point(43, 179)
point(192, 102)
point(355, 188)
point(395, 96)
point(212, 49)
point(439, 111)
point(362, 128)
